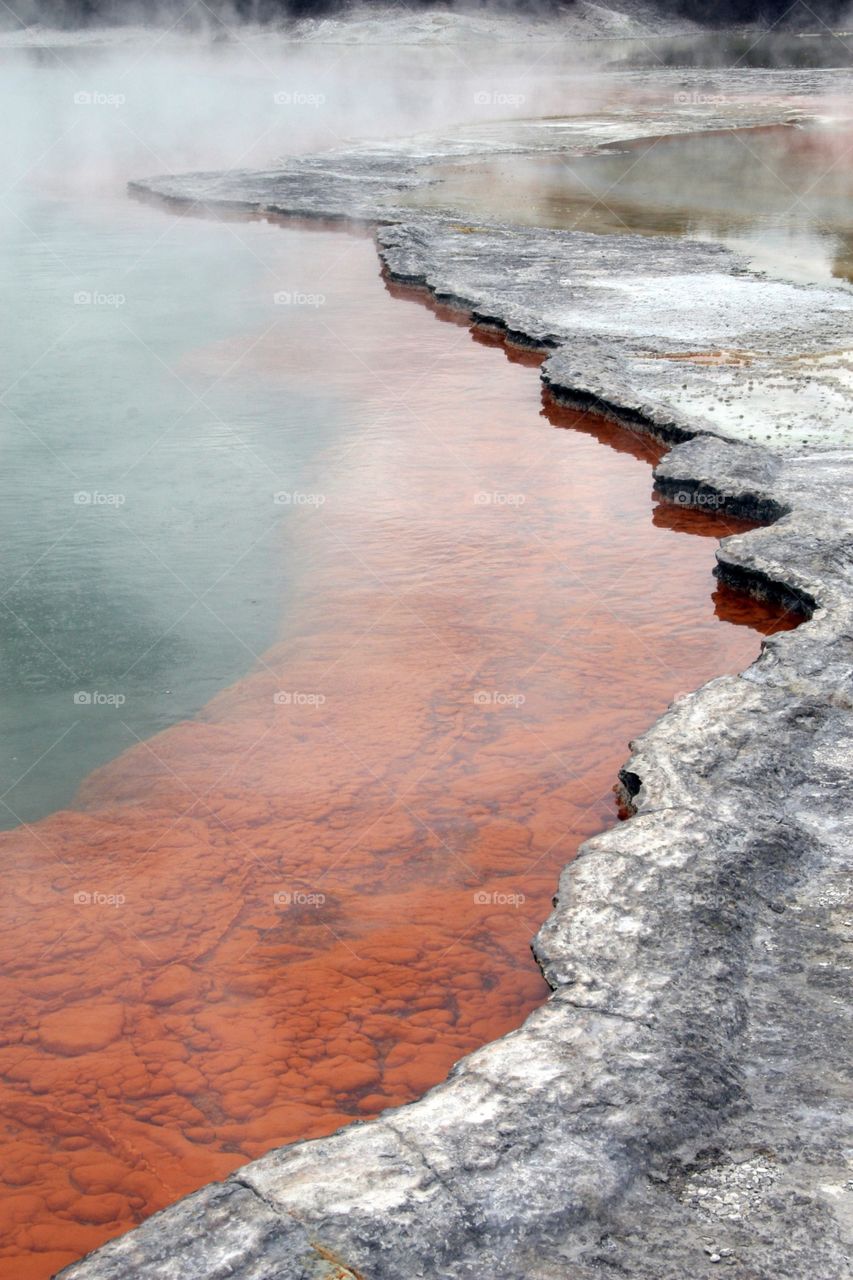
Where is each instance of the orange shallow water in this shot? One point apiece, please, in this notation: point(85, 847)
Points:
point(305, 905)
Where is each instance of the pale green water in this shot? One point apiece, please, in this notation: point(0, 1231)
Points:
point(170, 580)
point(143, 556)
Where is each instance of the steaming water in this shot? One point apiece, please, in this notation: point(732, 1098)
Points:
point(138, 526)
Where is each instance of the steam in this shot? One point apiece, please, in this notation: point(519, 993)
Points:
point(91, 108)
point(86, 112)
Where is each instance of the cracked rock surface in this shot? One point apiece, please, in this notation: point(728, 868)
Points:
point(682, 1102)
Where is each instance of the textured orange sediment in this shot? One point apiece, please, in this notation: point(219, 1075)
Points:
point(305, 905)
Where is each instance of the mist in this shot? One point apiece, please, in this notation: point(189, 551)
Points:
point(89, 118)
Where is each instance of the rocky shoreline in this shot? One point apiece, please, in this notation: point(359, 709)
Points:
point(682, 1100)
